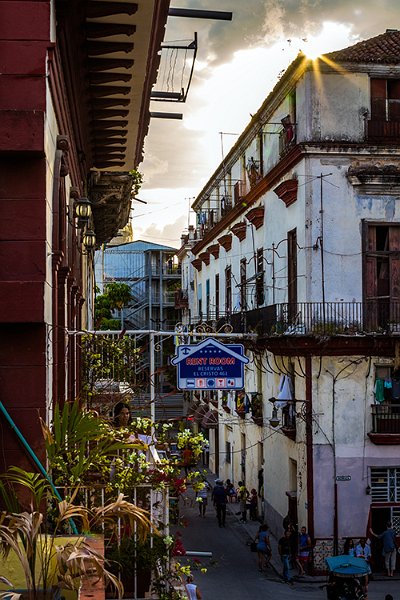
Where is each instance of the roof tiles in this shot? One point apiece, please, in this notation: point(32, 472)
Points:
point(384, 49)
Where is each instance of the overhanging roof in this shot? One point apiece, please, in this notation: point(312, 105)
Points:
point(109, 52)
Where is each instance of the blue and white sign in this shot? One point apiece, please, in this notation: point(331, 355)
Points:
point(210, 365)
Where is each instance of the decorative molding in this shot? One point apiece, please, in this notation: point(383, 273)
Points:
point(287, 191)
point(372, 178)
point(240, 230)
point(226, 241)
point(197, 263)
point(256, 216)
point(214, 250)
point(110, 194)
point(205, 257)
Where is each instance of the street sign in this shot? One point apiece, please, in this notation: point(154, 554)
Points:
point(343, 477)
point(210, 365)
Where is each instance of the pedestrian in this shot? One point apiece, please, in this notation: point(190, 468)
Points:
point(304, 549)
point(122, 415)
point(219, 498)
point(389, 551)
point(206, 453)
point(388, 597)
point(243, 495)
point(263, 547)
point(362, 550)
point(202, 498)
point(348, 547)
point(260, 477)
point(253, 504)
point(230, 490)
point(284, 550)
point(192, 590)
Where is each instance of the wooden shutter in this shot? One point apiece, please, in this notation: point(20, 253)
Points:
point(370, 283)
point(394, 262)
point(378, 99)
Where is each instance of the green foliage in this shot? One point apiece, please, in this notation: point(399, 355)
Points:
point(108, 359)
point(46, 562)
point(115, 297)
point(118, 294)
point(137, 180)
point(79, 444)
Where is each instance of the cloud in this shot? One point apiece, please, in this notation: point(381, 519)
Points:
point(237, 65)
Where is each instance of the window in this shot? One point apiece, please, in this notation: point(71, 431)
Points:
point(260, 277)
point(228, 290)
point(381, 274)
point(292, 274)
point(385, 99)
point(243, 303)
point(208, 299)
point(217, 296)
point(385, 484)
point(228, 451)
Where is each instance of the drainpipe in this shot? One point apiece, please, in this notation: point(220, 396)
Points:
point(34, 458)
point(309, 448)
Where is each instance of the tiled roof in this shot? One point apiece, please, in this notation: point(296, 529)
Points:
point(384, 49)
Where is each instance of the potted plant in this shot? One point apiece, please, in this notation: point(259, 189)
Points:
point(49, 560)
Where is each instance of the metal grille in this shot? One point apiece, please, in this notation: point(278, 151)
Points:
point(385, 485)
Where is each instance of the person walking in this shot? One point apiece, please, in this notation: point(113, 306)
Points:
point(192, 590)
point(219, 498)
point(389, 551)
point(202, 498)
point(304, 549)
point(284, 550)
point(243, 495)
point(263, 547)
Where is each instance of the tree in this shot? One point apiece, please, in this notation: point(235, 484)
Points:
point(115, 297)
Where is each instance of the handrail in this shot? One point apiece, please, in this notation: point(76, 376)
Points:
point(34, 458)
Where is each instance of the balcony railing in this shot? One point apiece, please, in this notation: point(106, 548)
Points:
point(321, 318)
point(386, 418)
point(384, 131)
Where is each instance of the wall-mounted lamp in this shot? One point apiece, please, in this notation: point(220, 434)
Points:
point(368, 490)
point(274, 420)
point(89, 239)
point(83, 210)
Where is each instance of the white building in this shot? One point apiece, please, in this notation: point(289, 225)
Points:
point(298, 240)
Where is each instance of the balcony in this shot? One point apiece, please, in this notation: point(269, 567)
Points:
point(181, 299)
point(321, 319)
point(385, 424)
point(383, 131)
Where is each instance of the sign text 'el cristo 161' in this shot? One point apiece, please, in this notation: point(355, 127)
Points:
point(210, 365)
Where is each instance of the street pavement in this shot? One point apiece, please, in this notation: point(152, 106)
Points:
point(232, 572)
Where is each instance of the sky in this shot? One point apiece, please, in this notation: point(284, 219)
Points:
point(238, 63)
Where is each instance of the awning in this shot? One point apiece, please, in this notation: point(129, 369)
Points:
point(200, 412)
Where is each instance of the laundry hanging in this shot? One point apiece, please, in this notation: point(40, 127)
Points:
point(285, 393)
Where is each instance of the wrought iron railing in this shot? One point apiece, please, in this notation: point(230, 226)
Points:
point(385, 418)
point(321, 318)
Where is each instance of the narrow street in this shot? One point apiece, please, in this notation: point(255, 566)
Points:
point(232, 573)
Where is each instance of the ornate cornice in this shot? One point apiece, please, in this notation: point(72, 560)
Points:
point(226, 241)
point(239, 230)
point(214, 250)
point(205, 257)
point(287, 191)
point(110, 195)
point(197, 263)
point(256, 216)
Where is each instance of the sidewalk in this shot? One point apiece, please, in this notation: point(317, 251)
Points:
point(250, 530)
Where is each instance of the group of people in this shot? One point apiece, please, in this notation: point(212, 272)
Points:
point(363, 548)
point(294, 549)
point(224, 493)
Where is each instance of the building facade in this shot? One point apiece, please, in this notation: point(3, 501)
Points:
point(76, 82)
point(297, 242)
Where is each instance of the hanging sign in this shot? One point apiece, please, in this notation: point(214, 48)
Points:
point(210, 365)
